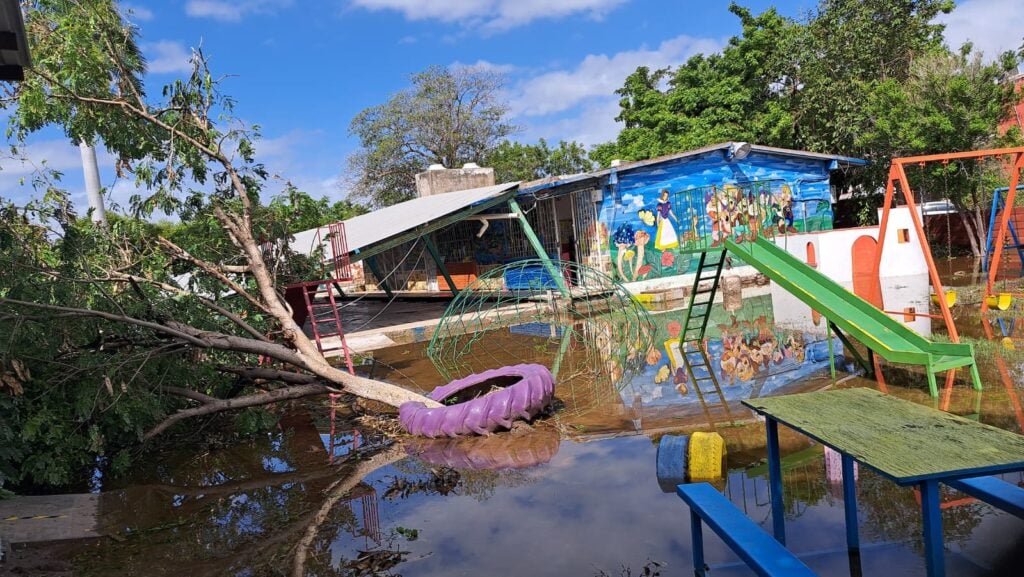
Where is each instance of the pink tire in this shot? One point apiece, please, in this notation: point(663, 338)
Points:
point(531, 390)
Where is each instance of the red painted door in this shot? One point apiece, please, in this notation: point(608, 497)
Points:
point(863, 262)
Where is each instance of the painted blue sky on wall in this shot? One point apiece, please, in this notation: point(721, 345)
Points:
point(658, 214)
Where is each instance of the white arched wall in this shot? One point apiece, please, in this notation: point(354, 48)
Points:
point(903, 271)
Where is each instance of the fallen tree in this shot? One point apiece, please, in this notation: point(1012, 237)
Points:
point(135, 301)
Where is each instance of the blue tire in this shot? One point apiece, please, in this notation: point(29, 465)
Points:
point(673, 461)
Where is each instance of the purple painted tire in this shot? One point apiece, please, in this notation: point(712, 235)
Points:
point(487, 413)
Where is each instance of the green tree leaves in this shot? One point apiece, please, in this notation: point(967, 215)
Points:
point(448, 116)
point(514, 161)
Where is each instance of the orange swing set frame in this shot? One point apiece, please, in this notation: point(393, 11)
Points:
point(898, 177)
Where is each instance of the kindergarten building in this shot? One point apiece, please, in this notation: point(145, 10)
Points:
point(636, 222)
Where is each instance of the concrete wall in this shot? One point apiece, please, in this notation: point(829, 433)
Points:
point(651, 238)
point(442, 180)
point(903, 271)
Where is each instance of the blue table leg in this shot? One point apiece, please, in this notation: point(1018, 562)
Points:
point(850, 504)
point(697, 538)
point(775, 480)
point(932, 519)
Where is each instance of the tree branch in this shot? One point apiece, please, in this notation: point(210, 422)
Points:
point(189, 394)
point(254, 400)
point(268, 374)
point(213, 271)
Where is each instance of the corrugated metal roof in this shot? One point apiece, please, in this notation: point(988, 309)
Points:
point(366, 230)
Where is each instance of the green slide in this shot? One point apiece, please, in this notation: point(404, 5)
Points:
point(855, 316)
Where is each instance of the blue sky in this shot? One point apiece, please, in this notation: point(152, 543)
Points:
point(303, 69)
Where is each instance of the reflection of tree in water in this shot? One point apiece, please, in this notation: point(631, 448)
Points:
point(266, 508)
point(888, 512)
point(419, 477)
point(893, 513)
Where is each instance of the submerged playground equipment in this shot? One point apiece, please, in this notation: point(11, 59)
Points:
point(846, 313)
point(481, 403)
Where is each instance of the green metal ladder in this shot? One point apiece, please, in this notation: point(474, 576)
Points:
point(691, 339)
point(704, 382)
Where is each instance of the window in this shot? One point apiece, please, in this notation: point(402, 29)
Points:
point(902, 235)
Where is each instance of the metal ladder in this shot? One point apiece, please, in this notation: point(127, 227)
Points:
point(691, 339)
point(998, 206)
point(705, 284)
point(703, 379)
point(325, 320)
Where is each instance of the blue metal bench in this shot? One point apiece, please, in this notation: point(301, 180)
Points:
point(994, 491)
point(762, 553)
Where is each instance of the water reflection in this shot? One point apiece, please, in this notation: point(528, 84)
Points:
point(591, 507)
point(576, 496)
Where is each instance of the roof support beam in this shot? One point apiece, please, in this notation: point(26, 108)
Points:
point(382, 281)
point(556, 275)
point(440, 263)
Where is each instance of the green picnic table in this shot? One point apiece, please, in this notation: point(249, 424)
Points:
point(909, 443)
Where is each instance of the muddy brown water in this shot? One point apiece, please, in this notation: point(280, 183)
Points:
point(578, 495)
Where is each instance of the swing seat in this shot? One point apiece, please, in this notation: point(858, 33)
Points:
point(1000, 301)
point(950, 298)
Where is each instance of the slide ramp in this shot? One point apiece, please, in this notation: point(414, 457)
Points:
point(855, 316)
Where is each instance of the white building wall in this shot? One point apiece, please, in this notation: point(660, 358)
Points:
point(903, 271)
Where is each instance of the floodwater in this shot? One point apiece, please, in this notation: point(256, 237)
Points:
point(577, 495)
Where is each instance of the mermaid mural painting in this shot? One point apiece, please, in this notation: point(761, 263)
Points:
point(770, 192)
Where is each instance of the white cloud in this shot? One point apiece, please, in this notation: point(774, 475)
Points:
point(493, 15)
point(56, 154)
point(167, 57)
point(17, 172)
point(588, 124)
point(579, 103)
point(139, 13)
point(599, 75)
point(232, 11)
point(993, 26)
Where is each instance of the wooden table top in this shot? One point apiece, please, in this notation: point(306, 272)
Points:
point(902, 440)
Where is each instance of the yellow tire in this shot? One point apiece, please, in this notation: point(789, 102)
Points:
point(707, 455)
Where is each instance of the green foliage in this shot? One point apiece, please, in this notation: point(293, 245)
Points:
point(739, 94)
point(948, 102)
point(514, 161)
point(80, 384)
point(409, 534)
point(92, 386)
point(448, 116)
point(86, 46)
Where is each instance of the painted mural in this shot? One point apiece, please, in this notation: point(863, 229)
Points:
point(661, 215)
point(749, 355)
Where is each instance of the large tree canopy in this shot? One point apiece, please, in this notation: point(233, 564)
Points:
point(738, 94)
point(807, 84)
point(948, 102)
point(449, 116)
